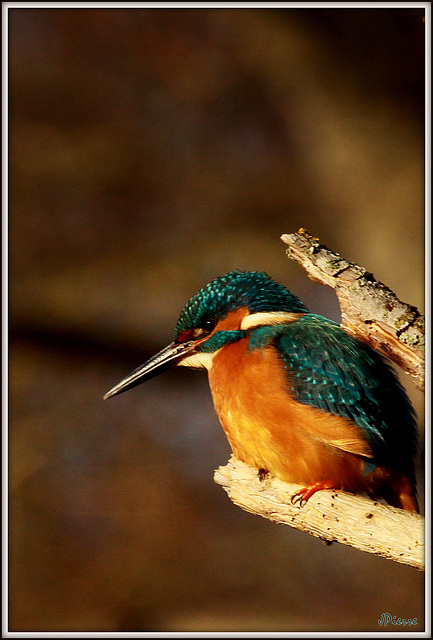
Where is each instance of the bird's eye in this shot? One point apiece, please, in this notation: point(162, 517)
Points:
point(206, 327)
point(208, 324)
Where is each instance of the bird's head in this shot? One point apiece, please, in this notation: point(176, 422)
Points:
point(224, 311)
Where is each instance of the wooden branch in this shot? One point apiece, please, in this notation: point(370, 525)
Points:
point(369, 309)
point(331, 515)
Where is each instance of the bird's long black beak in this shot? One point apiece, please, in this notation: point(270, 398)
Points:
point(154, 366)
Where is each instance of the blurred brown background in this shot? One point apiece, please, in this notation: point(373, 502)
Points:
point(150, 151)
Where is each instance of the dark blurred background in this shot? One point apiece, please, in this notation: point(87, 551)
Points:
point(150, 151)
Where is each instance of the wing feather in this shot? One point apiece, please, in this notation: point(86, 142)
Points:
point(330, 370)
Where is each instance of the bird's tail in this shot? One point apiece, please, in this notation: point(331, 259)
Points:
point(400, 492)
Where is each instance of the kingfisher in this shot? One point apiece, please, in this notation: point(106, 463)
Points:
point(298, 397)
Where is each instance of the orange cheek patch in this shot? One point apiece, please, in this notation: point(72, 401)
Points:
point(232, 321)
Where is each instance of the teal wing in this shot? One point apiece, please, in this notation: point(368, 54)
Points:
point(330, 370)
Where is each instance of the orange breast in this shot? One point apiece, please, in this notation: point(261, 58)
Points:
point(269, 429)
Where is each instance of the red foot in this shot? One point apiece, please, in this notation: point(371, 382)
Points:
point(303, 495)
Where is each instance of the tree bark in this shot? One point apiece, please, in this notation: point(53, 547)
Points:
point(333, 516)
point(369, 310)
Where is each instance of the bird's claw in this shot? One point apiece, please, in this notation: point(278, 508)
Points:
point(303, 495)
point(298, 498)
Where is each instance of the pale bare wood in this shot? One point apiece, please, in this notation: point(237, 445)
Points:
point(331, 515)
point(369, 309)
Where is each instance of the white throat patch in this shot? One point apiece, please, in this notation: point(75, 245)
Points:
point(198, 361)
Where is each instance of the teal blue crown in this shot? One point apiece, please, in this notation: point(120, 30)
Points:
point(251, 289)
